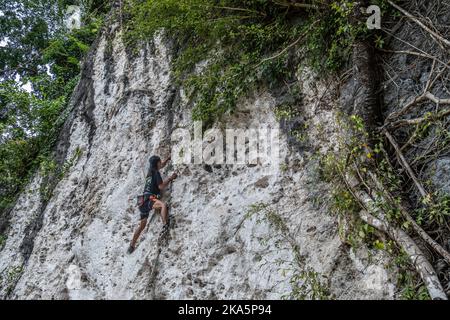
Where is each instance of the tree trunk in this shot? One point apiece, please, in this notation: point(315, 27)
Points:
point(366, 74)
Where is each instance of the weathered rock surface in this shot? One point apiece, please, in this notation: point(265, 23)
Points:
point(126, 109)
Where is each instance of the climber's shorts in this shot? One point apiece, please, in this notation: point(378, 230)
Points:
point(147, 206)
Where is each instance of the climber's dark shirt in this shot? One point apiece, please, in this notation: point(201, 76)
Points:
point(152, 183)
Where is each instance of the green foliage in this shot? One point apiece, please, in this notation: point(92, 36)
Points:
point(388, 176)
point(343, 202)
point(52, 173)
point(435, 209)
point(286, 112)
point(330, 42)
point(360, 234)
point(9, 278)
point(26, 26)
point(65, 52)
point(355, 159)
point(244, 44)
point(379, 245)
point(233, 38)
point(408, 280)
point(284, 167)
point(48, 63)
point(410, 292)
point(308, 284)
point(28, 128)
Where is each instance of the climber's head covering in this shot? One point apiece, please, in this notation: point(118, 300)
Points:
point(154, 160)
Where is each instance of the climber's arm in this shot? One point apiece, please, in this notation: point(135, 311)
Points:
point(163, 164)
point(165, 183)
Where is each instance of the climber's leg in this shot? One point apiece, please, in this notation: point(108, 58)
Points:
point(137, 233)
point(158, 204)
point(145, 209)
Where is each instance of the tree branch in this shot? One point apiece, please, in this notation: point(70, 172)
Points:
point(416, 256)
point(422, 233)
point(423, 26)
point(289, 46)
point(425, 95)
point(435, 99)
point(406, 122)
point(414, 53)
point(405, 165)
point(239, 9)
point(295, 4)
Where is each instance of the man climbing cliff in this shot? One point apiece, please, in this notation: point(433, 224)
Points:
point(154, 185)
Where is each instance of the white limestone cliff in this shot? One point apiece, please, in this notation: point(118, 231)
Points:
point(124, 110)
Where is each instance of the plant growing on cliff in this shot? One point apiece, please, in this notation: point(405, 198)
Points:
point(411, 285)
point(243, 44)
point(9, 278)
point(369, 188)
point(52, 173)
point(305, 282)
point(308, 284)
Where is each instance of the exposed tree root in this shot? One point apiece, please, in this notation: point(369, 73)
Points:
point(366, 74)
point(367, 105)
point(422, 233)
point(417, 258)
point(420, 262)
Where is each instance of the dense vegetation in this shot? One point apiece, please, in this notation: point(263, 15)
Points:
point(246, 43)
point(39, 67)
